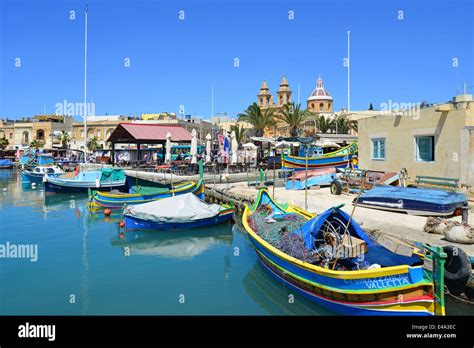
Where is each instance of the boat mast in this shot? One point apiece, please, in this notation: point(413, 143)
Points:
point(85, 87)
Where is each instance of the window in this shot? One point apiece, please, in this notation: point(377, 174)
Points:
point(11, 136)
point(321, 107)
point(98, 133)
point(424, 148)
point(378, 149)
point(82, 134)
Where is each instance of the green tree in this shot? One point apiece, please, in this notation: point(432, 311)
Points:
point(240, 134)
point(93, 144)
point(325, 124)
point(65, 139)
point(259, 120)
point(341, 125)
point(293, 116)
point(36, 144)
point(4, 143)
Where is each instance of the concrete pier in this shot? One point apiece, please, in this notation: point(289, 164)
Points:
point(402, 226)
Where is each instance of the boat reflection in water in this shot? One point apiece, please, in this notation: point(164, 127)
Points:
point(275, 298)
point(183, 245)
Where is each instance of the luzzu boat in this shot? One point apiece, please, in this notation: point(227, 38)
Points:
point(342, 268)
point(338, 159)
point(138, 194)
point(82, 181)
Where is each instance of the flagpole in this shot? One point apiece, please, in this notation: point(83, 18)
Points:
point(348, 71)
point(85, 87)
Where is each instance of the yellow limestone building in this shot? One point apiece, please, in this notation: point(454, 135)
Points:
point(436, 140)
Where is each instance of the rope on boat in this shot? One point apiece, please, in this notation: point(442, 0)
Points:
point(446, 292)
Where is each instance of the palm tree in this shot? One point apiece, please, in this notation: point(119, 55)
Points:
point(240, 134)
point(325, 124)
point(93, 144)
point(65, 139)
point(36, 144)
point(259, 120)
point(342, 125)
point(293, 116)
point(4, 143)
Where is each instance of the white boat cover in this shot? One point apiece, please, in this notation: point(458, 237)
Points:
point(182, 208)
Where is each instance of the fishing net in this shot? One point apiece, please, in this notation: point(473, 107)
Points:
point(281, 231)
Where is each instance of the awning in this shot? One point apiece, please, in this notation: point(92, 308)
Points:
point(148, 133)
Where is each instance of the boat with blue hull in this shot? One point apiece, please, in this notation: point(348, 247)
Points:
point(38, 173)
point(337, 159)
point(176, 213)
point(82, 181)
point(331, 261)
point(413, 200)
point(6, 163)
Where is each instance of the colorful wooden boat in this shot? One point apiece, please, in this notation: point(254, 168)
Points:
point(138, 194)
point(82, 181)
point(340, 158)
point(176, 213)
point(348, 273)
point(413, 200)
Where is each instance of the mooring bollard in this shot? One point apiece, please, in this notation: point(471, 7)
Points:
point(465, 212)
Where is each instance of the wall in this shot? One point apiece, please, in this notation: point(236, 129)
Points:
point(452, 157)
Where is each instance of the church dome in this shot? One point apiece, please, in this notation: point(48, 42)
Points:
point(320, 93)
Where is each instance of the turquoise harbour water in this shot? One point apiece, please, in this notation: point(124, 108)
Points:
point(85, 268)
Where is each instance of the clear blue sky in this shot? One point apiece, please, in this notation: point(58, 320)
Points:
point(175, 62)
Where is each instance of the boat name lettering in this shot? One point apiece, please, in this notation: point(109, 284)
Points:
point(380, 283)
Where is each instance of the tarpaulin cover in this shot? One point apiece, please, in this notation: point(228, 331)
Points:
point(182, 208)
point(5, 162)
point(110, 174)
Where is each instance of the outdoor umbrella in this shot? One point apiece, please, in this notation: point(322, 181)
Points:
point(168, 148)
point(193, 146)
point(208, 148)
point(234, 148)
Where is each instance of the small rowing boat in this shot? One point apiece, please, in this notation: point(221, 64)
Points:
point(179, 212)
point(413, 200)
point(331, 261)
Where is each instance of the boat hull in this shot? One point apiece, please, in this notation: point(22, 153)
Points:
point(132, 222)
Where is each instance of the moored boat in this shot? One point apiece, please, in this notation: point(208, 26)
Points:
point(82, 181)
point(38, 173)
point(6, 163)
point(330, 260)
point(413, 200)
point(179, 212)
point(138, 194)
point(338, 159)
